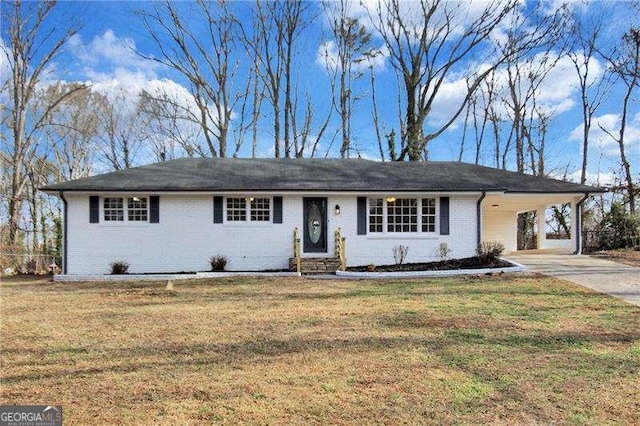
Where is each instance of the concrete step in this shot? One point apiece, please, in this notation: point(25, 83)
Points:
point(316, 265)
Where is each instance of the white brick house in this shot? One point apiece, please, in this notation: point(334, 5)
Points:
point(174, 216)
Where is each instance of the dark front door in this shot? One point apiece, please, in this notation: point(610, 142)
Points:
point(315, 225)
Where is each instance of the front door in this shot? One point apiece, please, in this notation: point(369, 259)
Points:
point(315, 225)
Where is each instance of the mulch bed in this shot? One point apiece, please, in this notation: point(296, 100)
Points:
point(445, 265)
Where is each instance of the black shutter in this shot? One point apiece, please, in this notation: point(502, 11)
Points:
point(444, 215)
point(277, 209)
point(94, 209)
point(154, 209)
point(362, 215)
point(217, 209)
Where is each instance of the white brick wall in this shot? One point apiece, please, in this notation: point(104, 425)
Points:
point(501, 226)
point(186, 237)
point(378, 249)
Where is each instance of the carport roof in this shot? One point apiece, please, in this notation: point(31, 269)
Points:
point(316, 175)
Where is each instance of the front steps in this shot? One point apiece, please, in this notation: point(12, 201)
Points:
point(316, 265)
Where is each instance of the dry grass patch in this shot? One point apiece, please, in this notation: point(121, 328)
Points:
point(628, 257)
point(523, 349)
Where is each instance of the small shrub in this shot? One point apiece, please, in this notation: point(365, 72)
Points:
point(218, 263)
point(400, 254)
point(443, 251)
point(490, 250)
point(119, 268)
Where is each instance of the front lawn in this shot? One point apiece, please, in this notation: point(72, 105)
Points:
point(501, 349)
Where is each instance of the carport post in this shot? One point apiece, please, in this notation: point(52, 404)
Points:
point(578, 223)
point(542, 224)
point(479, 219)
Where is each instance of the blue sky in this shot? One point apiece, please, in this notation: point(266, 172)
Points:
point(105, 54)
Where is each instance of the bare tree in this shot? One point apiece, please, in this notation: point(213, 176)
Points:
point(252, 102)
point(524, 79)
point(40, 174)
point(477, 118)
point(346, 56)
point(625, 66)
point(72, 130)
point(276, 29)
point(304, 143)
point(429, 45)
point(169, 127)
point(294, 22)
point(374, 112)
point(585, 36)
point(30, 46)
point(120, 134)
point(205, 59)
point(266, 48)
point(258, 94)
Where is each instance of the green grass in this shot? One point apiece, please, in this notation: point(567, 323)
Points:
point(501, 349)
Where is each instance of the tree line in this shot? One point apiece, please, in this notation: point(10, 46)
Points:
point(500, 52)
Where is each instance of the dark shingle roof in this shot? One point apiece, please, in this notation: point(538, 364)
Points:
point(281, 175)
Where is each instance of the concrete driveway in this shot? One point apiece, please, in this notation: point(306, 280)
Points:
point(601, 275)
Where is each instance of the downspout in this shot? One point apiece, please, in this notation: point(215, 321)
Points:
point(479, 218)
point(64, 232)
point(578, 230)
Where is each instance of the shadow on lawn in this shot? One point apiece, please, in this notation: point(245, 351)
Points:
point(227, 289)
point(445, 343)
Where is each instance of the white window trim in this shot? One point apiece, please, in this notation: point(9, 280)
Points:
point(125, 207)
point(248, 221)
point(419, 234)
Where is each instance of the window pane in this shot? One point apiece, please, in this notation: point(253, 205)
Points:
point(260, 210)
point(376, 206)
point(113, 209)
point(137, 209)
point(402, 215)
point(428, 215)
point(236, 209)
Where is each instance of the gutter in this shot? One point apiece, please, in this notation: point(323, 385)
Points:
point(64, 232)
point(578, 227)
point(479, 218)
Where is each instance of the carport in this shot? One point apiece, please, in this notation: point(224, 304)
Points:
point(500, 219)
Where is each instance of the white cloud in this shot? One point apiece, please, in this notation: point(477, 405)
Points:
point(597, 178)
point(4, 63)
point(448, 100)
point(107, 53)
point(459, 13)
point(611, 123)
point(555, 6)
point(112, 66)
point(558, 87)
point(5, 72)
point(555, 94)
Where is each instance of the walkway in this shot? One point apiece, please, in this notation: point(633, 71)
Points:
point(601, 275)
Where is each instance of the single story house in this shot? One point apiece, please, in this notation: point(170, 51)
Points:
point(174, 216)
